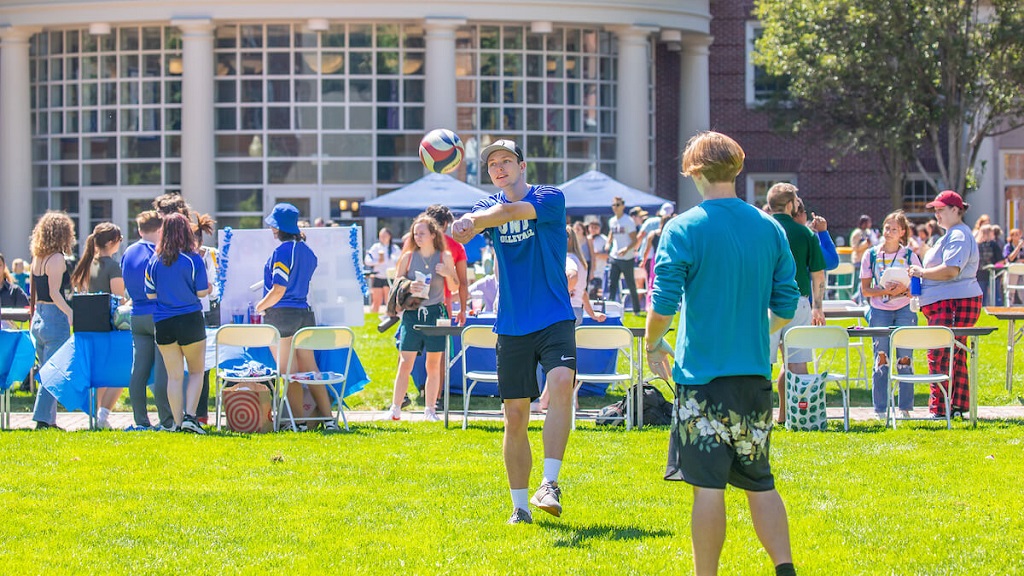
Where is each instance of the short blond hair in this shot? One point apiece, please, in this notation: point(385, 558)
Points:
point(714, 156)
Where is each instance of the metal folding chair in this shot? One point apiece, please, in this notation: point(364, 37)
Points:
point(317, 338)
point(242, 336)
point(1013, 280)
point(823, 338)
point(605, 338)
point(920, 338)
point(835, 280)
point(477, 336)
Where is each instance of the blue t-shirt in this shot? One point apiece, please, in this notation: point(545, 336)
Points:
point(532, 287)
point(176, 285)
point(133, 269)
point(291, 265)
point(727, 263)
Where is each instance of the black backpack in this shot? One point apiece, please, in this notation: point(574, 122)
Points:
point(657, 410)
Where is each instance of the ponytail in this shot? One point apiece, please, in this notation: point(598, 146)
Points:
point(102, 235)
point(80, 277)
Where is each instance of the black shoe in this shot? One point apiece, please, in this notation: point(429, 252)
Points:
point(439, 405)
point(406, 401)
point(47, 426)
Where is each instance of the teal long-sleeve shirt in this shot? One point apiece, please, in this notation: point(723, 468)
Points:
point(723, 264)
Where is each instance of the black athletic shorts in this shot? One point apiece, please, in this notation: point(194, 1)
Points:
point(181, 330)
point(518, 357)
point(709, 448)
point(288, 321)
point(378, 282)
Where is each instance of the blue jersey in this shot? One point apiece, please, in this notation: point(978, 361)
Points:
point(176, 285)
point(727, 263)
point(291, 265)
point(133, 269)
point(533, 292)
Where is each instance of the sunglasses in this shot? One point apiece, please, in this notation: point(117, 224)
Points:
point(618, 203)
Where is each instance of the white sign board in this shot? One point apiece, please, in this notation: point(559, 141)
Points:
point(334, 293)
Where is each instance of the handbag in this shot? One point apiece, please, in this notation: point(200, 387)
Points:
point(805, 402)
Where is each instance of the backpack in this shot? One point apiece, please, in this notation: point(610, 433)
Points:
point(657, 410)
point(805, 402)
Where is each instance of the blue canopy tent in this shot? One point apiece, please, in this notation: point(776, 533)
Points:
point(412, 199)
point(592, 193)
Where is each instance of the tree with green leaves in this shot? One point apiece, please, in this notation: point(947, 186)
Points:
point(909, 80)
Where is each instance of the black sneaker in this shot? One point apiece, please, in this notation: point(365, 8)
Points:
point(520, 516)
point(47, 426)
point(406, 401)
point(547, 498)
point(190, 424)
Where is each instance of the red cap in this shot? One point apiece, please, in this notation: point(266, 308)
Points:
point(947, 198)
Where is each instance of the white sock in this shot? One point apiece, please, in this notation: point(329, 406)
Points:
point(551, 469)
point(521, 498)
point(102, 414)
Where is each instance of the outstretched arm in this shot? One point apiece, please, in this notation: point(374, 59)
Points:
point(465, 228)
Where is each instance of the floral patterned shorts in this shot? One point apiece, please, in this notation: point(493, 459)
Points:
point(720, 434)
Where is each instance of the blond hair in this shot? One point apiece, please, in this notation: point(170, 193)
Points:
point(54, 233)
point(714, 156)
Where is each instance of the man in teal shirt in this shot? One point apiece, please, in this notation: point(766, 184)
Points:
point(728, 264)
point(810, 278)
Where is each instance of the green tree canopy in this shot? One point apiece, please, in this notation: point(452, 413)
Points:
point(905, 79)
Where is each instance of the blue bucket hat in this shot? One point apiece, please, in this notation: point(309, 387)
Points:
point(285, 218)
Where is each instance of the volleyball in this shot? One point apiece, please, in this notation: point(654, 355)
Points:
point(441, 151)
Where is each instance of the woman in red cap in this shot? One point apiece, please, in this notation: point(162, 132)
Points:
point(950, 294)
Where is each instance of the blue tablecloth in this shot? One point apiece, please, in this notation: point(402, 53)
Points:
point(589, 361)
point(104, 359)
point(17, 355)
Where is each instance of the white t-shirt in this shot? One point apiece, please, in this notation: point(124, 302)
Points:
point(573, 264)
point(380, 269)
point(621, 227)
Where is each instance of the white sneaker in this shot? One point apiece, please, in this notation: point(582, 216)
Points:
point(904, 413)
point(431, 415)
point(395, 412)
point(102, 425)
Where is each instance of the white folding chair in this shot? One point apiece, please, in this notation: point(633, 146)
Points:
point(605, 338)
point(920, 338)
point(477, 336)
point(835, 280)
point(814, 338)
point(242, 336)
point(858, 345)
point(317, 338)
point(1013, 280)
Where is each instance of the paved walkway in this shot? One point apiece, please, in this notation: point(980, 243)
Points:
point(120, 420)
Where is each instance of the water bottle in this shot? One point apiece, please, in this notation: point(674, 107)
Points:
point(915, 293)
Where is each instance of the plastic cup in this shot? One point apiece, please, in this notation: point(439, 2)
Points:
point(237, 317)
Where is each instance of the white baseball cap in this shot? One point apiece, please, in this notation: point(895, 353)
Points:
point(667, 209)
point(506, 145)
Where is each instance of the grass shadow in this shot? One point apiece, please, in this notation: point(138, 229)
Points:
point(578, 536)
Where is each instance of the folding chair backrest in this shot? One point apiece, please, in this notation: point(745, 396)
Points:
point(479, 337)
point(817, 337)
point(1016, 268)
point(323, 338)
point(247, 335)
point(844, 269)
point(921, 337)
point(604, 338)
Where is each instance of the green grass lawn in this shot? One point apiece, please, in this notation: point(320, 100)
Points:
point(416, 498)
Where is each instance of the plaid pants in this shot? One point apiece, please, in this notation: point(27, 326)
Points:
point(954, 313)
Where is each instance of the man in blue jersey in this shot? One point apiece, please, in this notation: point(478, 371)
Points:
point(535, 323)
point(722, 251)
point(133, 268)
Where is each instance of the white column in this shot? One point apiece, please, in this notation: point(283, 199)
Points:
point(633, 107)
point(694, 103)
point(197, 121)
point(441, 97)
point(15, 143)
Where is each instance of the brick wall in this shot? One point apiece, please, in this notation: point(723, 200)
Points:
point(840, 188)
